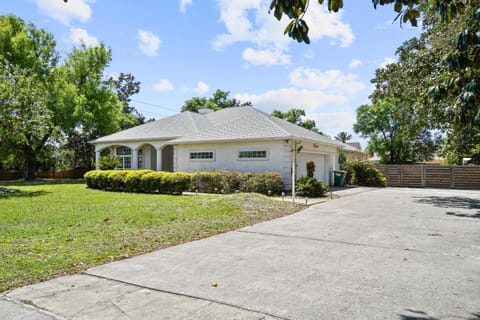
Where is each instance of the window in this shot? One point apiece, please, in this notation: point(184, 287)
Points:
point(125, 156)
point(140, 159)
point(261, 154)
point(201, 155)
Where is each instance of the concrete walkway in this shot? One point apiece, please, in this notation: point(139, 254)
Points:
point(375, 254)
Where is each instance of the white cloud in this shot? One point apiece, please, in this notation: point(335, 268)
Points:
point(355, 63)
point(184, 4)
point(265, 57)
point(287, 98)
point(333, 119)
point(163, 85)
point(324, 24)
point(201, 88)
point(387, 61)
point(149, 42)
point(79, 35)
point(65, 12)
point(332, 81)
point(249, 21)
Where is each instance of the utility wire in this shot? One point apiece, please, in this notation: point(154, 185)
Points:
point(155, 105)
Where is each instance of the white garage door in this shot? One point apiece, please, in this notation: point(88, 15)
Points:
point(319, 159)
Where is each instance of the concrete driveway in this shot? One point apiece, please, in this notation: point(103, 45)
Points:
point(376, 254)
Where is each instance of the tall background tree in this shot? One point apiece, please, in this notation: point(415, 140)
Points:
point(296, 116)
point(219, 100)
point(46, 106)
point(343, 136)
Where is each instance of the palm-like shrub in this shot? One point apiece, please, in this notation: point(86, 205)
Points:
point(363, 173)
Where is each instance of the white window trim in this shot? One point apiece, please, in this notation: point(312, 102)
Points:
point(267, 157)
point(122, 158)
point(199, 151)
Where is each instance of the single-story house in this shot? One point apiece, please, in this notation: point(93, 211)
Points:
point(240, 139)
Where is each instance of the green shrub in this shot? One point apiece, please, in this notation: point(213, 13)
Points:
point(310, 187)
point(310, 168)
point(262, 182)
point(175, 183)
point(133, 180)
point(363, 173)
point(207, 182)
point(91, 178)
point(108, 163)
point(116, 180)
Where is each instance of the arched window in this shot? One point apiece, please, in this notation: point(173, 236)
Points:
point(125, 156)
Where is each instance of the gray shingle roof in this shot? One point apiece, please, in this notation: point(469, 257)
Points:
point(239, 123)
point(167, 128)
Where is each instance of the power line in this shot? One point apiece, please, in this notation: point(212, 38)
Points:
point(155, 105)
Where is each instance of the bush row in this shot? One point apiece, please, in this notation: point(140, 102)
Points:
point(175, 183)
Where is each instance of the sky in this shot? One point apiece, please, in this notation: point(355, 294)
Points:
point(179, 49)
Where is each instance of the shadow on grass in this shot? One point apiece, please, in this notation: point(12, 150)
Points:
point(40, 182)
point(420, 315)
point(6, 193)
point(473, 205)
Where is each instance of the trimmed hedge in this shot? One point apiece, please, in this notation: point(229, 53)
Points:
point(269, 183)
point(148, 181)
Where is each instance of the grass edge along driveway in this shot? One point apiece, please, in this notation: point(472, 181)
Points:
point(50, 228)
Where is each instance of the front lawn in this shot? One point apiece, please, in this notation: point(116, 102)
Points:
point(50, 228)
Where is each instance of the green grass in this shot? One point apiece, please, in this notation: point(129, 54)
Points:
point(50, 228)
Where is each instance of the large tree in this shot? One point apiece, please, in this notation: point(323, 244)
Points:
point(97, 107)
point(43, 103)
point(28, 82)
point(295, 116)
point(343, 136)
point(125, 86)
point(219, 100)
point(395, 132)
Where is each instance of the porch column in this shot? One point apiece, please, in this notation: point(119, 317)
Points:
point(97, 159)
point(159, 158)
point(134, 159)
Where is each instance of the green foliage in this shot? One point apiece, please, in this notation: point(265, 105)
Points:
point(262, 182)
point(395, 132)
point(407, 11)
point(310, 168)
point(343, 136)
point(268, 183)
point(125, 86)
point(363, 173)
point(108, 163)
point(295, 116)
point(146, 181)
point(46, 104)
point(310, 187)
point(218, 101)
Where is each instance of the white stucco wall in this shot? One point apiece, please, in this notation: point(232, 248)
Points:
point(279, 159)
point(226, 157)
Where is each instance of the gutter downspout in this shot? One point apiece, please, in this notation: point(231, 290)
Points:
point(294, 165)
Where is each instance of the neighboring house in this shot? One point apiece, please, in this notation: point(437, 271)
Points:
point(240, 139)
point(353, 151)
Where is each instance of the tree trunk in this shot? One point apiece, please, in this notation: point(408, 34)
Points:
point(30, 166)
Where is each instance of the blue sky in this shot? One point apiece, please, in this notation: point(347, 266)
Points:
point(179, 49)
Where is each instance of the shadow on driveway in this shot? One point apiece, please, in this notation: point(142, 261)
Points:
point(448, 202)
point(420, 315)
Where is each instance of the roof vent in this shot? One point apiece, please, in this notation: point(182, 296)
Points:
point(205, 110)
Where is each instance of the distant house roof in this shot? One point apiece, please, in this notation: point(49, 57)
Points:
point(356, 145)
point(229, 124)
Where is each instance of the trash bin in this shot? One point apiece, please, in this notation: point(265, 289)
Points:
point(339, 178)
